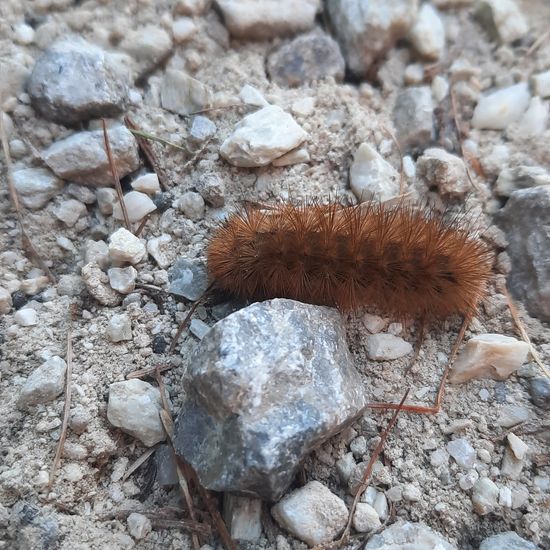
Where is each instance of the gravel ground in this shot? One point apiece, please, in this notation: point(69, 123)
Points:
point(150, 44)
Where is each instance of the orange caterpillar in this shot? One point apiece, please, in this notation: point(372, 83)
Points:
point(408, 262)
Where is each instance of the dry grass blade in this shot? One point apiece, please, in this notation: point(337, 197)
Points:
point(67, 407)
point(515, 316)
point(147, 151)
point(152, 137)
point(148, 371)
point(142, 225)
point(537, 43)
point(116, 179)
point(137, 463)
point(27, 244)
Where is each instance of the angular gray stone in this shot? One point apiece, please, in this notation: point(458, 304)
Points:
point(263, 20)
point(513, 178)
point(507, 541)
point(268, 384)
point(81, 157)
point(367, 29)
point(540, 392)
point(405, 534)
point(44, 384)
point(36, 186)
point(74, 81)
point(525, 222)
point(188, 279)
point(202, 129)
point(447, 172)
point(306, 59)
point(183, 94)
point(212, 189)
point(413, 117)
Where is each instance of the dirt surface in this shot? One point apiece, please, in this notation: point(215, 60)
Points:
point(83, 508)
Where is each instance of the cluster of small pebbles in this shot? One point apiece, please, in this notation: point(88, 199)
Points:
point(444, 101)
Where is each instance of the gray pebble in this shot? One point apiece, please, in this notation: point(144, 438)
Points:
point(540, 392)
point(44, 384)
point(202, 129)
point(188, 279)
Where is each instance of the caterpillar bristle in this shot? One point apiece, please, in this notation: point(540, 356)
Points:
point(405, 261)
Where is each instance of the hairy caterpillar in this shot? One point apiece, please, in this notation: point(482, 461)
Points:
point(408, 262)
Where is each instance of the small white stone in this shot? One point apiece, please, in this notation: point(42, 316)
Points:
point(489, 356)
point(371, 177)
point(395, 328)
point(119, 328)
point(199, 328)
point(445, 171)
point(69, 211)
point(463, 453)
point(411, 493)
point(533, 122)
point(505, 497)
point(414, 74)
point(26, 317)
point(305, 106)
point(183, 94)
point(252, 96)
point(381, 506)
point(504, 17)
point(510, 415)
point(36, 186)
point(192, 205)
point(147, 183)
point(261, 137)
point(395, 494)
point(23, 34)
point(139, 526)
point(44, 384)
point(106, 200)
point(345, 467)
point(409, 167)
point(311, 513)
point(157, 248)
point(373, 323)
point(468, 480)
point(293, 157)
point(484, 496)
point(148, 44)
point(518, 446)
point(96, 282)
point(183, 29)
point(440, 88)
point(365, 518)
point(499, 109)
point(5, 300)
point(35, 285)
point(122, 279)
point(541, 84)
point(72, 472)
point(191, 7)
point(134, 407)
point(126, 247)
point(428, 33)
point(439, 457)
point(386, 347)
point(137, 204)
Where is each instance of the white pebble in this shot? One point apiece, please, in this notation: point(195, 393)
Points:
point(440, 88)
point(533, 122)
point(504, 17)
point(137, 204)
point(156, 247)
point(126, 247)
point(23, 34)
point(5, 300)
point(484, 496)
point(192, 205)
point(139, 526)
point(505, 497)
point(414, 74)
point(304, 106)
point(411, 493)
point(463, 453)
point(69, 211)
point(293, 157)
point(518, 446)
point(497, 110)
point(371, 177)
point(119, 328)
point(183, 29)
point(381, 506)
point(428, 33)
point(26, 317)
point(147, 183)
point(385, 347)
point(106, 200)
point(199, 328)
point(468, 480)
point(541, 84)
point(365, 518)
point(122, 279)
point(252, 96)
point(489, 356)
point(373, 323)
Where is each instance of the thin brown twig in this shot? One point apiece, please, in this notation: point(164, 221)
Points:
point(138, 462)
point(26, 241)
point(208, 109)
point(116, 179)
point(66, 408)
point(537, 43)
point(147, 151)
point(525, 337)
point(148, 371)
point(142, 225)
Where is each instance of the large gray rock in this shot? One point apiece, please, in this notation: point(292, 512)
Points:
point(405, 534)
point(81, 157)
point(74, 81)
point(366, 29)
point(268, 384)
point(306, 59)
point(507, 541)
point(525, 221)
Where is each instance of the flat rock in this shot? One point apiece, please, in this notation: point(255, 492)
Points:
point(212, 189)
point(366, 30)
point(147, 183)
point(311, 513)
point(484, 496)
point(126, 247)
point(261, 137)
point(44, 384)
point(182, 94)
point(463, 453)
point(70, 211)
point(138, 205)
point(148, 45)
point(263, 20)
point(371, 177)
point(413, 117)
point(386, 347)
point(75, 81)
point(539, 389)
point(188, 279)
point(122, 279)
point(507, 541)
point(268, 384)
point(513, 178)
point(498, 109)
point(447, 172)
point(413, 536)
point(306, 59)
point(489, 356)
point(134, 407)
point(36, 186)
point(524, 220)
point(81, 157)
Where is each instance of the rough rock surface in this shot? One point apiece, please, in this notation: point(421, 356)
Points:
point(441, 169)
point(81, 158)
point(413, 117)
point(524, 219)
point(268, 384)
point(74, 81)
point(36, 186)
point(507, 541)
point(45, 383)
point(405, 534)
